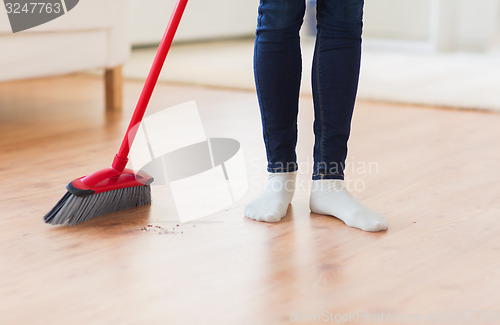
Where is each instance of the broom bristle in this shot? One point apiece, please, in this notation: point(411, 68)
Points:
point(73, 209)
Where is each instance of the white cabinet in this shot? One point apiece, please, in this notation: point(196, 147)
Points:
point(202, 20)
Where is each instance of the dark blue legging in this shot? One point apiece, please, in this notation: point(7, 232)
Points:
point(335, 74)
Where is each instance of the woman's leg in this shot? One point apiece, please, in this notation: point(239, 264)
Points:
point(278, 68)
point(335, 77)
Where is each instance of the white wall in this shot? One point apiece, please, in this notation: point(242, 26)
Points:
point(436, 25)
point(203, 19)
point(397, 19)
point(430, 25)
point(477, 23)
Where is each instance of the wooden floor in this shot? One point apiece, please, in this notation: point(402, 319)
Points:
point(434, 173)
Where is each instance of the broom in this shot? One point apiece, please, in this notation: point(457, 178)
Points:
point(116, 188)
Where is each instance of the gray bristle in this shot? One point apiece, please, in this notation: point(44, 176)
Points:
point(73, 209)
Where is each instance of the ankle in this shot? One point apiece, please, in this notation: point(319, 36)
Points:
point(278, 182)
point(321, 185)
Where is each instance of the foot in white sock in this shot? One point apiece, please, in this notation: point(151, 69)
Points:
point(330, 197)
point(271, 205)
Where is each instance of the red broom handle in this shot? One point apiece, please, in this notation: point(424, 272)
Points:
point(121, 157)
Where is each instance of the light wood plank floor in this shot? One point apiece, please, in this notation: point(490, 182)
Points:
point(436, 179)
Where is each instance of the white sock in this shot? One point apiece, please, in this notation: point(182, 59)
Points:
point(271, 205)
point(330, 197)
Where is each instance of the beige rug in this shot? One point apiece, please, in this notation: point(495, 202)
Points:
point(459, 80)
